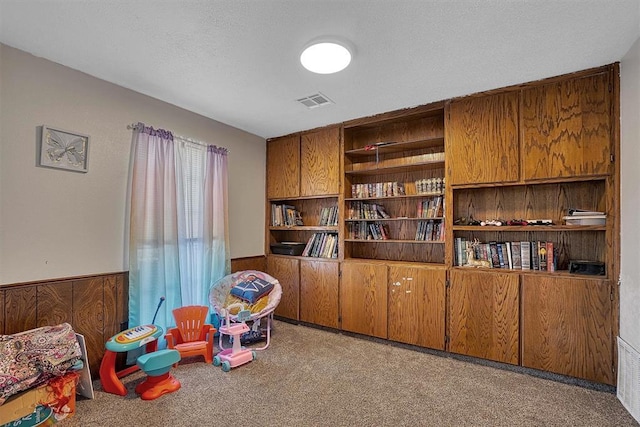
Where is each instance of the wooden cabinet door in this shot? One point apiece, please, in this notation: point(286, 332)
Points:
point(320, 162)
point(319, 292)
point(567, 327)
point(363, 298)
point(20, 309)
point(283, 167)
point(482, 140)
point(566, 128)
point(287, 271)
point(416, 306)
point(483, 315)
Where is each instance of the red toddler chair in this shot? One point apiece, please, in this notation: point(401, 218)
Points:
point(192, 336)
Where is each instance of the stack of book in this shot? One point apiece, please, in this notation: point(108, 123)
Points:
point(519, 255)
point(584, 217)
point(329, 216)
point(285, 216)
point(322, 245)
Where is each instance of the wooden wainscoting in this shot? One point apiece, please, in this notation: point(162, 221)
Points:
point(249, 263)
point(95, 306)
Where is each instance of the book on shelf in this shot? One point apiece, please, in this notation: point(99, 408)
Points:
point(381, 211)
point(436, 208)
point(509, 255)
point(307, 248)
point(516, 255)
point(461, 251)
point(285, 215)
point(535, 256)
point(486, 253)
point(384, 230)
point(321, 245)
point(583, 212)
point(584, 217)
point(502, 254)
point(329, 216)
point(551, 259)
point(542, 255)
point(525, 255)
point(495, 260)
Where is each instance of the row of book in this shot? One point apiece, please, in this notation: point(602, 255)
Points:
point(322, 245)
point(430, 231)
point(367, 231)
point(524, 255)
point(285, 216)
point(329, 216)
point(377, 189)
point(431, 208)
point(360, 210)
point(430, 186)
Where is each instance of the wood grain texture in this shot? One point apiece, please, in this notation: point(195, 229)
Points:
point(484, 315)
point(320, 162)
point(283, 167)
point(567, 327)
point(111, 322)
point(20, 309)
point(482, 140)
point(566, 128)
point(400, 128)
point(408, 252)
point(78, 301)
point(417, 306)
point(54, 304)
point(319, 292)
point(363, 298)
point(422, 112)
point(258, 263)
point(287, 271)
point(88, 318)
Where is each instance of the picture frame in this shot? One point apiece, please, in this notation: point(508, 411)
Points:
point(63, 149)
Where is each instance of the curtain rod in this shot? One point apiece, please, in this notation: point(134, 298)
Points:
point(136, 126)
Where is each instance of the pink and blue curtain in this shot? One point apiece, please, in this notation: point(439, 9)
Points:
point(178, 240)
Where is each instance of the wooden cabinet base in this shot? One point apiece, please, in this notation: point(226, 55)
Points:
point(566, 327)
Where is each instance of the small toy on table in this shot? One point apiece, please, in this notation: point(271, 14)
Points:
point(236, 355)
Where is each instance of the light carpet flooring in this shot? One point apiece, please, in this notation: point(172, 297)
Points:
point(313, 377)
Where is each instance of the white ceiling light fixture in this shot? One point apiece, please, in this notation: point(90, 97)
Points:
point(326, 56)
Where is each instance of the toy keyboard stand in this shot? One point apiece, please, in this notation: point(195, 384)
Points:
point(145, 335)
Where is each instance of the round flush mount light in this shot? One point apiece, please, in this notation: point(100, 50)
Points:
point(325, 57)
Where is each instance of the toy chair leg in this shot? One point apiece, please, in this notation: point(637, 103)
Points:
point(159, 381)
point(154, 387)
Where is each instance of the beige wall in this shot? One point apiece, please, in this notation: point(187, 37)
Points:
point(630, 197)
point(55, 223)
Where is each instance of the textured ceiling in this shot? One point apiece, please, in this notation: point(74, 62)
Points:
point(237, 61)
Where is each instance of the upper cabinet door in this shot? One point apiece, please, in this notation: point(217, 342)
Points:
point(482, 140)
point(283, 167)
point(320, 162)
point(566, 128)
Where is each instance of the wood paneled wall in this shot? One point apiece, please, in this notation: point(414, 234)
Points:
point(249, 263)
point(95, 306)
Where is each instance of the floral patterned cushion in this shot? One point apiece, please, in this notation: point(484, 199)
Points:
point(33, 357)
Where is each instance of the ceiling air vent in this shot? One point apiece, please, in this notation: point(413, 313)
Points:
point(315, 100)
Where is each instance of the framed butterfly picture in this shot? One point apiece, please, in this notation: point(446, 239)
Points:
point(62, 149)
